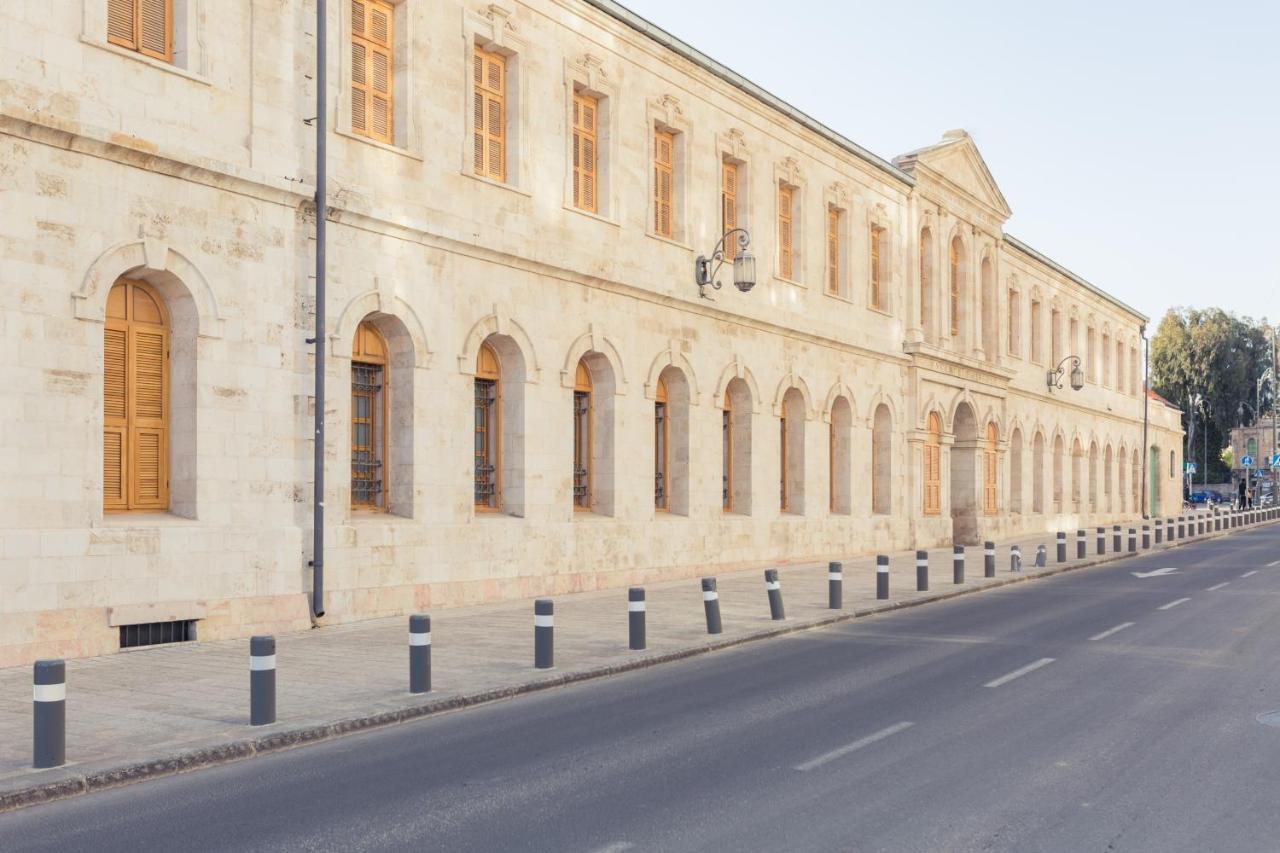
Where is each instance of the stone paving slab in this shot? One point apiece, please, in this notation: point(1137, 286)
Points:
point(147, 712)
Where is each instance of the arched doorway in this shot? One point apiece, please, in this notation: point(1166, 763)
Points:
point(964, 476)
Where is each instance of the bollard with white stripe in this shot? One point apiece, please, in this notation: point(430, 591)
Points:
point(989, 559)
point(635, 618)
point(49, 714)
point(1217, 520)
point(1200, 525)
point(957, 564)
point(1146, 536)
point(1170, 530)
point(1102, 541)
point(1080, 544)
point(1158, 530)
point(544, 633)
point(922, 571)
point(1115, 538)
point(882, 577)
point(1015, 559)
point(1133, 540)
point(1062, 546)
point(835, 586)
point(262, 680)
point(711, 604)
point(1182, 527)
point(774, 589)
point(419, 653)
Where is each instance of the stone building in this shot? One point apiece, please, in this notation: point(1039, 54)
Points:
point(1259, 443)
point(527, 394)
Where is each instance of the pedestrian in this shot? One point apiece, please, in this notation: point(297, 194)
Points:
point(1241, 498)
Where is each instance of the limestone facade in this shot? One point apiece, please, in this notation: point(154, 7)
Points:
point(195, 176)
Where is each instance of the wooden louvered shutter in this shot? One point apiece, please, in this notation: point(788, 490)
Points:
point(586, 116)
point(876, 295)
point(122, 16)
point(490, 79)
point(372, 64)
point(115, 415)
point(135, 400)
point(933, 467)
point(833, 250)
point(155, 28)
point(729, 205)
point(990, 472)
point(148, 489)
point(663, 182)
point(785, 235)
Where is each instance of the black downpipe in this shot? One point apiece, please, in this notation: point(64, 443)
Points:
point(1146, 404)
point(317, 498)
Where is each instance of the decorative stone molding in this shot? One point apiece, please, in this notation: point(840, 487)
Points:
point(593, 341)
point(382, 300)
point(671, 357)
point(735, 369)
point(838, 389)
point(499, 323)
point(791, 380)
point(146, 258)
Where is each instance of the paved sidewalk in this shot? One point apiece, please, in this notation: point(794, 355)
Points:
point(152, 711)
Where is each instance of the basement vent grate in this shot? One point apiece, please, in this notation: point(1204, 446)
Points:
point(157, 633)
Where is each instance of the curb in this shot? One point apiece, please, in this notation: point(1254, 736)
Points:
point(240, 749)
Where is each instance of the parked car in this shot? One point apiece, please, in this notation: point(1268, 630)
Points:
point(1208, 498)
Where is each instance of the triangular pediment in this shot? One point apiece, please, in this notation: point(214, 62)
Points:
point(956, 163)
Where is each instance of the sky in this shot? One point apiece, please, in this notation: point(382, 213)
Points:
point(1137, 141)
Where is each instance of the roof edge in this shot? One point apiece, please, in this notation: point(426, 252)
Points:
point(697, 57)
point(1059, 268)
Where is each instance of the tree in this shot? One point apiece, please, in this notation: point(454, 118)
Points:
point(1219, 355)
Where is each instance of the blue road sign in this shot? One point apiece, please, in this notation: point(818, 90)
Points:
point(1246, 461)
point(1191, 467)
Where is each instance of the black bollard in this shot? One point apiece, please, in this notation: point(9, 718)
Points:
point(419, 653)
point(1158, 537)
point(957, 564)
point(544, 633)
point(922, 571)
point(262, 680)
point(1133, 541)
point(835, 586)
point(1062, 546)
point(774, 589)
point(49, 714)
point(988, 559)
point(635, 618)
point(1146, 536)
point(1080, 545)
point(1102, 541)
point(1115, 538)
point(1015, 559)
point(882, 577)
point(711, 603)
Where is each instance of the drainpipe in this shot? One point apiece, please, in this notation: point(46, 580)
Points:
point(317, 477)
point(1146, 406)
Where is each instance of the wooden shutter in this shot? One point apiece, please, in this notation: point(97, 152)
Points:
point(664, 144)
point(989, 472)
point(135, 400)
point(933, 467)
point(729, 205)
point(490, 80)
point(142, 25)
point(372, 69)
point(784, 231)
point(586, 119)
point(833, 250)
point(955, 287)
point(876, 233)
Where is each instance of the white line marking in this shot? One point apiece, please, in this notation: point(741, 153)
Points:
point(1173, 604)
point(1273, 563)
point(1217, 586)
point(1018, 673)
point(1249, 574)
point(1107, 633)
point(616, 847)
point(857, 744)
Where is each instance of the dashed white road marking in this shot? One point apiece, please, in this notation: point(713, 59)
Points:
point(1018, 673)
point(1273, 563)
point(1249, 574)
point(1107, 633)
point(857, 744)
point(1217, 586)
point(616, 847)
point(1173, 604)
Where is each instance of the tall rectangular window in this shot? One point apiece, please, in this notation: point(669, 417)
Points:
point(490, 114)
point(583, 439)
point(661, 440)
point(135, 401)
point(726, 449)
point(834, 249)
point(729, 187)
point(371, 68)
point(786, 235)
point(876, 260)
point(933, 466)
point(586, 152)
point(784, 492)
point(1036, 332)
point(990, 470)
point(1013, 345)
point(368, 419)
point(953, 259)
point(1055, 337)
point(488, 431)
point(142, 25)
point(664, 160)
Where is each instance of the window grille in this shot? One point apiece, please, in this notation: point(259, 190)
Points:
point(157, 633)
point(486, 481)
point(582, 449)
point(660, 455)
point(367, 423)
point(726, 440)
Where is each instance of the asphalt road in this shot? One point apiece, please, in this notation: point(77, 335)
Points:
point(1021, 719)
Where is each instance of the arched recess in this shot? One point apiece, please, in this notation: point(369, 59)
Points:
point(957, 277)
point(838, 390)
point(882, 459)
point(671, 402)
point(1093, 477)
point(737, 370)
point(671, 357)
point(500, 324)
point(1015, 471)
point(840, 455)
point(793, 413)
point(592, 341)
point(965, 453)
point(1037, 473)
point(990, 312)
point(1135, 482)
point(171, 273)
point(991, 469)
point(593, 416)
point(1108, 472)
point(1122, 479)
point(737, 409)
point(789, 383)
point(381, 302)
point(1077, 475)
point(927, 287)
point(499, 375)
point(1059, 462)
point(380, 400)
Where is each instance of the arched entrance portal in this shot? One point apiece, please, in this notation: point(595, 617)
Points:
point(964, 477)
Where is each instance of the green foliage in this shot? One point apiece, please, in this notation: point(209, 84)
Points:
point(1219, 355)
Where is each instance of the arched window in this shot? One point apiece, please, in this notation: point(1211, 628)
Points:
point(1077, 477)
point(791, 453)
point(990, 471)
point(990, 312)
point(1093, 477)
point(1015, 471)
point(1037, 474)
point(1173, 469)
point(1059, 451)
point(933, 466)
point(488, 427)
point(1107, 473)
point(582, 438)
point(726, 453)
point(735, 430)
point(1135, 475)
point(1122, 479)
point(882, 461)
point(956, 260)
point(926, 283)
point(135, 400)
point(661, 449)
point(839, 457)
point(369, 419)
